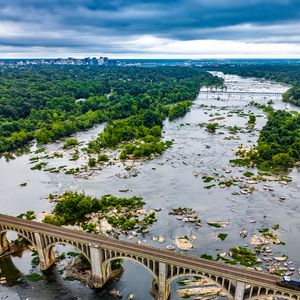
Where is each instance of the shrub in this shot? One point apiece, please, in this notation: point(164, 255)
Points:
point(71, 142)
point(92, 162)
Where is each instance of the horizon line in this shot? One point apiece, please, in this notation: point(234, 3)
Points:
point(159, 58)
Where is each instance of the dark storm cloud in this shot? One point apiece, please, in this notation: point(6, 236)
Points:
point(90, 23)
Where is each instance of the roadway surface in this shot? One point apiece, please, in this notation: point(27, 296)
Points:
point(211, 267)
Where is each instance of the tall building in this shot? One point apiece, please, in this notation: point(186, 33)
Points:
point(94, 61)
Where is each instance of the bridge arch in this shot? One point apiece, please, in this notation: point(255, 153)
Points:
point(28, 236)
point(148, 264)
point(263, 297)
point(223, 283)
point(49, 249)
point(262, 293)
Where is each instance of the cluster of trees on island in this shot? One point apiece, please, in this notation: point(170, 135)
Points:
point(47, 103)
point(278, 146)
point(279, 140)
point(74, 207)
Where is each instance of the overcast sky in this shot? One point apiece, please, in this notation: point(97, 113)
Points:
point(150, 29)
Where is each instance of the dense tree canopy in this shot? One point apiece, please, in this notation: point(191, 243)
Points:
point(293, 95)
point(51, 102)
point(73, 206)
point(279, 141)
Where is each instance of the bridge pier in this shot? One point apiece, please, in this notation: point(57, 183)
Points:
point(163, 286)
point(99, 276)
point(239, 290)
point(47, 258)
point(4, 244)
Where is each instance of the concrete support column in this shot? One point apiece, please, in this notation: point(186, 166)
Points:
point(163, 288)
point(47, 258)
point(99, 276)
point(239, 290)
point(4, 244)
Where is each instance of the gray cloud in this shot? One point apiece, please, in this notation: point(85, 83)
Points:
point(87, 25)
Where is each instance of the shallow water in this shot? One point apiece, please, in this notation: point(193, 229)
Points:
point(169, 181)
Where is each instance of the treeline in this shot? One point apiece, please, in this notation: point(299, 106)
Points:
point(292, 95)
point(288, 73)
point(179, 109)
point(50, 102)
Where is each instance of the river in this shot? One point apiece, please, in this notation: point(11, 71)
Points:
point(172, 180)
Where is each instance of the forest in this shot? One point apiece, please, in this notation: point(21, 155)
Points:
point(48, 103)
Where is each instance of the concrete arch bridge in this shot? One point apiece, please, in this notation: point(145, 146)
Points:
point(165, 266)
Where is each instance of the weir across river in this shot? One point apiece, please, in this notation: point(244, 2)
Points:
point(165, 266)
point(225, 93)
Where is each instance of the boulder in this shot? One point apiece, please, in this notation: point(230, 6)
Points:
point(183, 243)
point(259, 240)
point(280, 258)
point(161, 239)
point(183, 293)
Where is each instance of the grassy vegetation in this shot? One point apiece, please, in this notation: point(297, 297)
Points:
point(29, 215)
point(267, 233)
point(212, 127)
point(34, 277)
point(70, 143)
point(248, 174)
point(214, 224)
point(244, 256)
point(102, 157)
point(222, 236)
point(207, 179)
point(207, 256)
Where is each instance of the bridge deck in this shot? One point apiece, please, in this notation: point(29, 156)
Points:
point(253, 93)
point(232, 272)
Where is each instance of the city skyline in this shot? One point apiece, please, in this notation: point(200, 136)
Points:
point(150, 29)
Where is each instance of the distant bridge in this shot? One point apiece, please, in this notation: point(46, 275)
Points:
point(240, 93)
point(165, 266)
